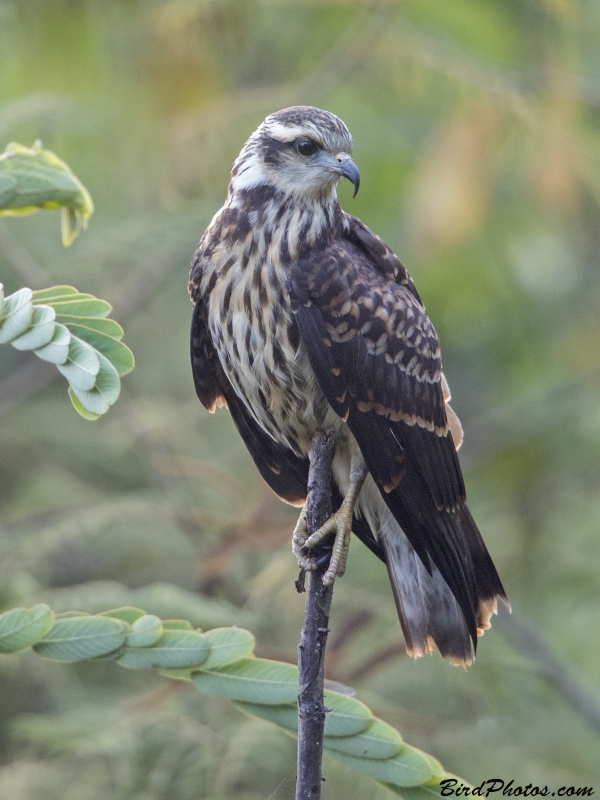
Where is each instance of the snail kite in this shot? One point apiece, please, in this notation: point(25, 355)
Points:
point(304, 319)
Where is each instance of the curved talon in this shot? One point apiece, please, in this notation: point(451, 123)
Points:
point(323, 559)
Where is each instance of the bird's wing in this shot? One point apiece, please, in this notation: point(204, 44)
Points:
point(376, 357)
point(209, 378)
point(389, 265)
point(285, 472)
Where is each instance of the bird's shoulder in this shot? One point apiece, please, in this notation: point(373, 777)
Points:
point(379, 254)
point(361, 289)
point(233, 236)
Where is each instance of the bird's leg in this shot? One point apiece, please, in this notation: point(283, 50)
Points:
point(339, 523)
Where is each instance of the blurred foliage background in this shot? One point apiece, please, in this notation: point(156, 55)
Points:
point(476, 126)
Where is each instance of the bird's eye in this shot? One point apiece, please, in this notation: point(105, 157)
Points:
point(306, 147)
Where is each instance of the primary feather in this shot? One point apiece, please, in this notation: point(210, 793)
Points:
point(305, 319)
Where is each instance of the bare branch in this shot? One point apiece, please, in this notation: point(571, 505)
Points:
point(311, 650)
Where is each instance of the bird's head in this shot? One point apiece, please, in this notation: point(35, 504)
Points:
point(300, 151)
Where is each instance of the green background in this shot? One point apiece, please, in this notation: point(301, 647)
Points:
point(477, 137)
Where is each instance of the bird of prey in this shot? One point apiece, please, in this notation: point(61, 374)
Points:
point(305, 320)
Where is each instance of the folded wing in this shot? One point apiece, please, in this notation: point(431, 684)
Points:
point(376, 357)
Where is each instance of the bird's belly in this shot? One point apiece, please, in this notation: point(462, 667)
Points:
point(268, 367)
point(286, 403)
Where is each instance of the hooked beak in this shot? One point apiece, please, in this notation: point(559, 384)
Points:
point(347, 168)
point(342, 164)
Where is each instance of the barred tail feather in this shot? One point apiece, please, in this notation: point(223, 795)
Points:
point(427, 609)
point(429, 613)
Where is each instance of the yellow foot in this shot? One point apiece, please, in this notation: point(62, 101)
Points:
point(339, 523)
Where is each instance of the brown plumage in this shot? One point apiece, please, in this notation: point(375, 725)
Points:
point(304, 318)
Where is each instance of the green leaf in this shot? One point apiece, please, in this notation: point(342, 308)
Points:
point(8, 189)
point(103, 325)
point(182, 674)
point(379, 741)
point(227, 645)
point(128, 614)
point(437, 770)
point(286, 716)
point(15, 315)
point(145, 631)
point(69, 614)
point(44, 296)
point(40, 331)
point(81, 409)
point(177, 625)
point(69, 226)
point(80, 306)
point(347, 716)
point(34, 190)
point(426, 791)
point(119, 355)
point(173, 649)
point(408, 768)
point(78, 638)
point(252, 680)
point(106, 389)
point(81, 367)
point(21, 627)
point(33, 178)
point(57, 351)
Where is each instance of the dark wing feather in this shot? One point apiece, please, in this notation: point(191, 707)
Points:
point(376, 356)
point(209, 379)
point(284, 471)
point(379, 254)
